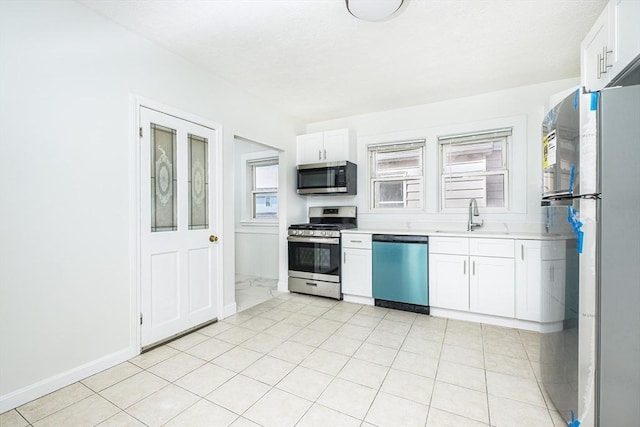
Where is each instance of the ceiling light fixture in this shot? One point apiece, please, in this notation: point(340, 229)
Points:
point(373, 10)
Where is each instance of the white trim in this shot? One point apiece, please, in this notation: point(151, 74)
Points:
point(252, 228)
point(247, 215)
point(134, 224)
point(135, 215)
point(373, 149)
point(495, 320)
point(63, 379)
point(229, 310)
point(283, 286)
point(358, 299)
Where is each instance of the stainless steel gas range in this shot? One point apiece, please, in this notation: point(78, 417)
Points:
point(314, 251)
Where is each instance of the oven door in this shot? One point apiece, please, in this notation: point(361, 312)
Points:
point(315, 258)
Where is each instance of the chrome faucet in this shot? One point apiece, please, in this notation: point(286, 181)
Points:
point(473, 211)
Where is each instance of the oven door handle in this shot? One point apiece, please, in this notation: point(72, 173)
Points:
point(325, 240)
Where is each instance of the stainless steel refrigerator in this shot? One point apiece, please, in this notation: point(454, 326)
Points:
point(591, 198)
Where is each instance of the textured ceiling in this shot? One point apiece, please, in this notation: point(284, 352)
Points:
point(318, 62)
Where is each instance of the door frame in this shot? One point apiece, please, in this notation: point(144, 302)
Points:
point(137, 102)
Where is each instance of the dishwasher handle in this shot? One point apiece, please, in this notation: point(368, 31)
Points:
point(395, 238)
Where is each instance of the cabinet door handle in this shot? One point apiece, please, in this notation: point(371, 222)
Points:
point(311, 284)
point(605, 57)
point(474, 268)
point(344, 257)
point(320, 151)
point(464, 268)
point(325, 154)
point(599, 67)
point(522, 252)
point(355, 241)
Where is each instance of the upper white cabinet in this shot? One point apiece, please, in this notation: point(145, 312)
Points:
point(595, 50)
point(611, 44)
point(330, 146)
point(625, 37)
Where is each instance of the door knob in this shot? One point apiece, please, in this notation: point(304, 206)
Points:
point(213, 238)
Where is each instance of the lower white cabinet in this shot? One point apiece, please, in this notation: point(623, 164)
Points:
point(449, 281)
point(540, 280)
point(469, 274)
point(491, 286)
point(356, 264)
point(528, 279)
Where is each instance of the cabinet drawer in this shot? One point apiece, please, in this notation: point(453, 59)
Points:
point(553, 250)
point(356, 240)
point(449, 245)
point(502, 248)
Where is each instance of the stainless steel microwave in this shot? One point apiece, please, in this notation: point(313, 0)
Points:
point(328, 178)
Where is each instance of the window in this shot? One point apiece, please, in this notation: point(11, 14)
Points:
point(397, 175)
point(475, 166)
point(264, 188)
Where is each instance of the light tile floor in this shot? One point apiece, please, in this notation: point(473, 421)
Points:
point(297, 360)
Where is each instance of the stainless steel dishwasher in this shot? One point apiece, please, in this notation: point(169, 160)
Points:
point(401, 272)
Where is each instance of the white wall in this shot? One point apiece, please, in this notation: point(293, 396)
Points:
point(256, 243)
point(523, 107)
point(68, 301)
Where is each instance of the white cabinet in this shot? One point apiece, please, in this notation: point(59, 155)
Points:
point(595, 51)
point(309, 148)
point(449, 273)
point(491, 284)
point(540, 277)
point(449, 281)
point(475, 275)
point(330, 146)
point(528, 279)
point(356, 264)
point(553, 281)
point(611, 44)
point(625, 34)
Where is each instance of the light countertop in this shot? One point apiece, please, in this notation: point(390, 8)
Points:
point(488, 234)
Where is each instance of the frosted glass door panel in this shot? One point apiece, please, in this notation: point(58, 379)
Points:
point(163, 179)
point(198, 182)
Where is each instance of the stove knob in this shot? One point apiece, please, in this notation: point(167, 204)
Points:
point(324, 233)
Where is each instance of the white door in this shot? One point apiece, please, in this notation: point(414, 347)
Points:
point(491, 288)
point(356, 272)
point(179, 225)
point(449, 281)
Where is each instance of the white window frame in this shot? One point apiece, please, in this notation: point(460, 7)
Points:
point(374, 177)
point(253, 191)
point(473, 138)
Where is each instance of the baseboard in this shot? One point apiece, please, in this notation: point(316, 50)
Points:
point(358, 299)
point(229, 310)
point(506, 322)
point(56, 382)
point(283, 285)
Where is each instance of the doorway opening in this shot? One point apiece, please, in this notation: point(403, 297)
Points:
point(256, 222)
